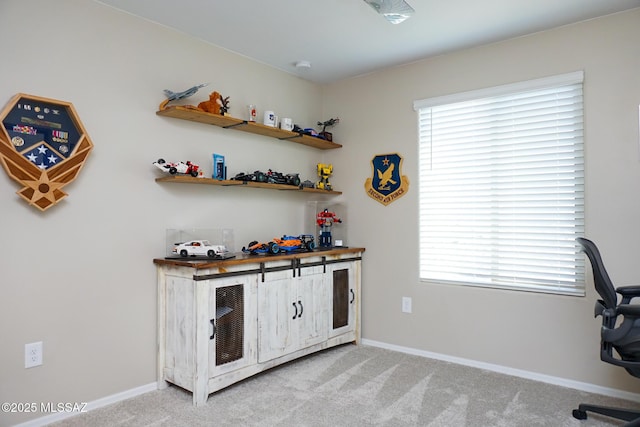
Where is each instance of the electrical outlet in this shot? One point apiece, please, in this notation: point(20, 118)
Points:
point(406, 304)
point(33, 354)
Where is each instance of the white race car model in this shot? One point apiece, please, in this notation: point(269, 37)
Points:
point(187, 168)
point(200, 247)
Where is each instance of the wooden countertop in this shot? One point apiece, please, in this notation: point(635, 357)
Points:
point(242, 258)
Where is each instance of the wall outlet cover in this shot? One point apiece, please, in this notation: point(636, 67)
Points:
point(33, 354)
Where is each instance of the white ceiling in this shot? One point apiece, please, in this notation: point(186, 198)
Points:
point(345, 38)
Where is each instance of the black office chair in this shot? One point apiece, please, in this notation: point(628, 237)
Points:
point(624, 337)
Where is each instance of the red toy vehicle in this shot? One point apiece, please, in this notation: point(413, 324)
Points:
point(187, 168)
point(325, 220)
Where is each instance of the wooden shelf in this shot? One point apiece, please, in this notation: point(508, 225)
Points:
point(186, 179)
point(228, 122)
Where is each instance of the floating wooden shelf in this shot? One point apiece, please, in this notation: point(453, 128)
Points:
point(186, 179)
point(228, 122)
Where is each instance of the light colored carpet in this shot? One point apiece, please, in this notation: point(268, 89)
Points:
point(361, 386)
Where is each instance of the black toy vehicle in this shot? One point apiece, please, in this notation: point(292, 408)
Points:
point(280, 178)
point(247, 176)
point(270, 176)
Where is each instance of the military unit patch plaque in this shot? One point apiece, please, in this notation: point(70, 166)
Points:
point(386, 185)
point(43, 146)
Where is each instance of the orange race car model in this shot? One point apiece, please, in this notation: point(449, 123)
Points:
point(303, 242)
point(256, 247)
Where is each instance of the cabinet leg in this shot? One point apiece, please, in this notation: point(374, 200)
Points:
point(200, 397)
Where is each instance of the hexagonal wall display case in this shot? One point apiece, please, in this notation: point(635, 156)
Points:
point(43, 146)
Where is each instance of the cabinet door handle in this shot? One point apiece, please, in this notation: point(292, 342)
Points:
point(296, 308)
point(301, 308)
point(353, 296)
point(213, 334)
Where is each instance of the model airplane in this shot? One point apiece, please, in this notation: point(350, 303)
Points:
point(172, 96)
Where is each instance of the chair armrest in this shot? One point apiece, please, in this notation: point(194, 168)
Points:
point(612, 333)
point(628, 292)
point(629, 310)
point(632, 291)
point(610, 358)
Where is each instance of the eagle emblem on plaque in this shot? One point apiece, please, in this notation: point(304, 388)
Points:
point(43, 146)
point(387, 183)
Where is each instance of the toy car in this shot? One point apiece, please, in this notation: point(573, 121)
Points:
point(187, 168)
point(280, 178)
point(270, 177)
point(261, 248)
point(200, 247)
point(256, 176)
point(303, 242)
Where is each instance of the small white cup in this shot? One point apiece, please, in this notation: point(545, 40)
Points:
point(252, 112)
point(286, 123)
point(269, 118)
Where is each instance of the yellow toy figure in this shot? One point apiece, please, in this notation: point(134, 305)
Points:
point(324, 171)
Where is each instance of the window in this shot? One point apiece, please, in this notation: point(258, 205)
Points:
point(502, 186)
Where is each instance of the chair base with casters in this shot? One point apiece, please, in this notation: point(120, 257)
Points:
point(620, 332)
point(617, 413)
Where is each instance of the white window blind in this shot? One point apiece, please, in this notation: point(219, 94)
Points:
point(502, 186)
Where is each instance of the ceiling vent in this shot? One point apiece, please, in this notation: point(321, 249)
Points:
point(395, 11)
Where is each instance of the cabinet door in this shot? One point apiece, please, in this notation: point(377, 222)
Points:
point(311, 321)
point(232, 317)
point(343, 299)
point(292, 312)
point(277, 310)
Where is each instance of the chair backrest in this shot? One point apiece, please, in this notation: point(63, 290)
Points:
point(604, 285)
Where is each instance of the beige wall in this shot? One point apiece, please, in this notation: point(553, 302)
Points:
point(544, 334)
point(93, 304)
point(80, 277)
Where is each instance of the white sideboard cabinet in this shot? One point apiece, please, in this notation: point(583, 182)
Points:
point(221, 321)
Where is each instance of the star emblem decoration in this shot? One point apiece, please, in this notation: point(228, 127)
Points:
point(43, 187)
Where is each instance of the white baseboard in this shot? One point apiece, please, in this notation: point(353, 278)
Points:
point(563, 382)
point(99, 403)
